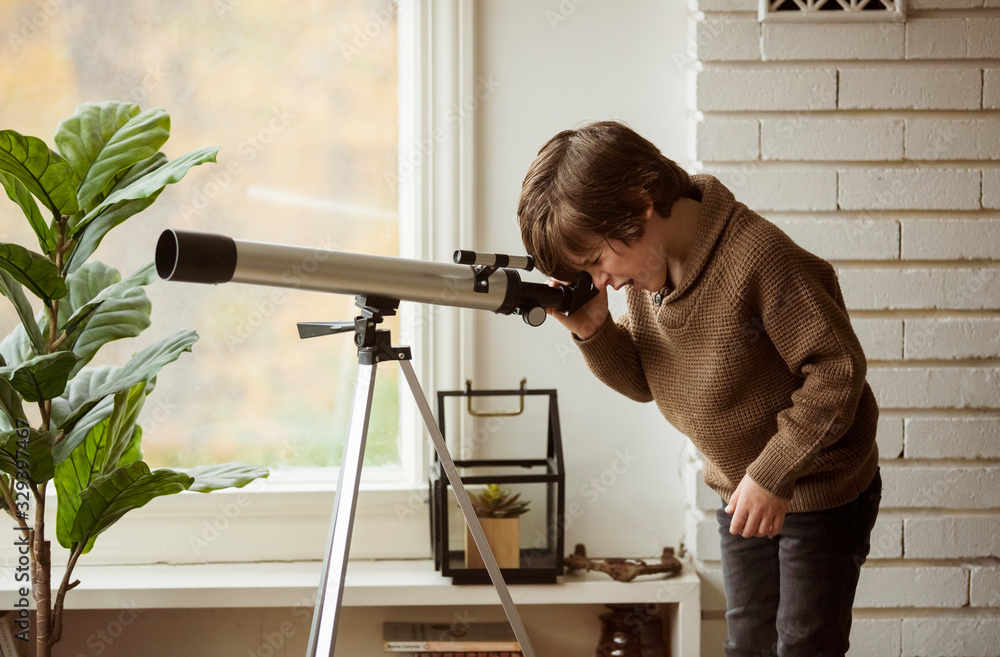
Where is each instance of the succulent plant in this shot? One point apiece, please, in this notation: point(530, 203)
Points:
point(495, 502)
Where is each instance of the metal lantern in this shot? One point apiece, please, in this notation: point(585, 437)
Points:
point(538, 556)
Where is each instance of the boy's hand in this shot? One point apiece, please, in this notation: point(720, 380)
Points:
point(755, 511)
point(588, 318)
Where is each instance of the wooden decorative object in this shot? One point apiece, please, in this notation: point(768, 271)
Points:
point(504, 537)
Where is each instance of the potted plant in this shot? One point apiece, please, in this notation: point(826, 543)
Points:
point(79, 430)
point(499, 513)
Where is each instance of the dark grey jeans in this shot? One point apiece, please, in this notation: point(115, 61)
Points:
point(791, 596)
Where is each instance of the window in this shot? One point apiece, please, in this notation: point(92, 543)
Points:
point(302, 99)
point(434, 137)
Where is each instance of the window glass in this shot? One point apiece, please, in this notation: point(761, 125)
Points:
point(302, 99)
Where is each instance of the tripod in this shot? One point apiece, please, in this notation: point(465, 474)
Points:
point(374, 346)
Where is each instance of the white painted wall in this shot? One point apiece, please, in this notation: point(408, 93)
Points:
point(556, 65)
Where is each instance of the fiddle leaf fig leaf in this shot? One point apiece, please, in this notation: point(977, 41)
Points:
point(143, 367)
point(137, 190)
point(90, 141)
point(11, 289)
point(18, 193)
point(42, 377)
point(100, 453)
point(35, 272)
point(10, 405)
point(150, 183)
point(30, 446)
point(109, 497)
point(41, 170)
point(208, 478)
point(101, 308)
point(17, 347)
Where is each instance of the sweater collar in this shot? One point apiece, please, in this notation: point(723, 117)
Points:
point(716, 207)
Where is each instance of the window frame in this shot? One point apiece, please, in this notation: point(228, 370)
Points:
point(287, 517)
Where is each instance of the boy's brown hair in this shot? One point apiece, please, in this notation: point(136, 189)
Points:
point(590, 185)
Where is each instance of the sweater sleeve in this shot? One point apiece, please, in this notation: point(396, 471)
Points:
point(804, 316)
point(612, 356)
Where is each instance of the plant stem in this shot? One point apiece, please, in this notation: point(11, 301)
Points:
point(64, 586)
point(8, 497)
point(41, 582)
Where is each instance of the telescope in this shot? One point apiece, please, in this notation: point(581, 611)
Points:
point(476, 280)
point(481, 281)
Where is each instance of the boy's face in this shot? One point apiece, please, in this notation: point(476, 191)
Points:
point(640, 265)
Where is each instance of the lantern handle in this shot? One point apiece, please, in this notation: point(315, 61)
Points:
point(474, 413)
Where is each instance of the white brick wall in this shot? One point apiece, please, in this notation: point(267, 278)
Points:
point(942, 536)
point(740, 89)
point(875, 637)
point(953, 38)
point(842, 237)
point(959, 387)
point(727, 39)
point(833, 40)
point(913, 586)
point(952, 337)
point(950, 239)
point(930, 288)
point(831, 139)
point(918, 88)
point(991, 189)
point(952, 438)
point(909, 189)
point(877, 147)
point(958, 636)
point(727, 139)
point(952, 139)
point(780, 188)
point(991, 88)
point(984, 586)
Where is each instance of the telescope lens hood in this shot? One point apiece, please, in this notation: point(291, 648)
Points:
point(195, 257)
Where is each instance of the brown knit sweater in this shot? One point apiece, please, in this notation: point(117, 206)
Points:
point(752, 356)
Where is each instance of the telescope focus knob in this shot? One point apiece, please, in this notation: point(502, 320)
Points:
point(533, 316)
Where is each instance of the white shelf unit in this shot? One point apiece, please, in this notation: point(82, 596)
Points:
point(397, 584)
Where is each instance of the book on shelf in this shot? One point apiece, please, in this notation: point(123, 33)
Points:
point(8, 641)
point(444, 638)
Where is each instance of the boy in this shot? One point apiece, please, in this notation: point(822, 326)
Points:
point(743, 341)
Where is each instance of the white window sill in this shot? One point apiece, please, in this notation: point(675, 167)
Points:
point(368, 584)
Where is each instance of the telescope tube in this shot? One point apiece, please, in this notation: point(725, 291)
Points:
point(209, 258)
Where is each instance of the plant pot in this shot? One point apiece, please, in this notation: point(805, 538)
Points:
point(504, 538)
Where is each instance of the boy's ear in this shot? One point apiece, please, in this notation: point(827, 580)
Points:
point(650, 212)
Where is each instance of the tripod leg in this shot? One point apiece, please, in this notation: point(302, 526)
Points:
point(326, 615)
point(470, 514)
